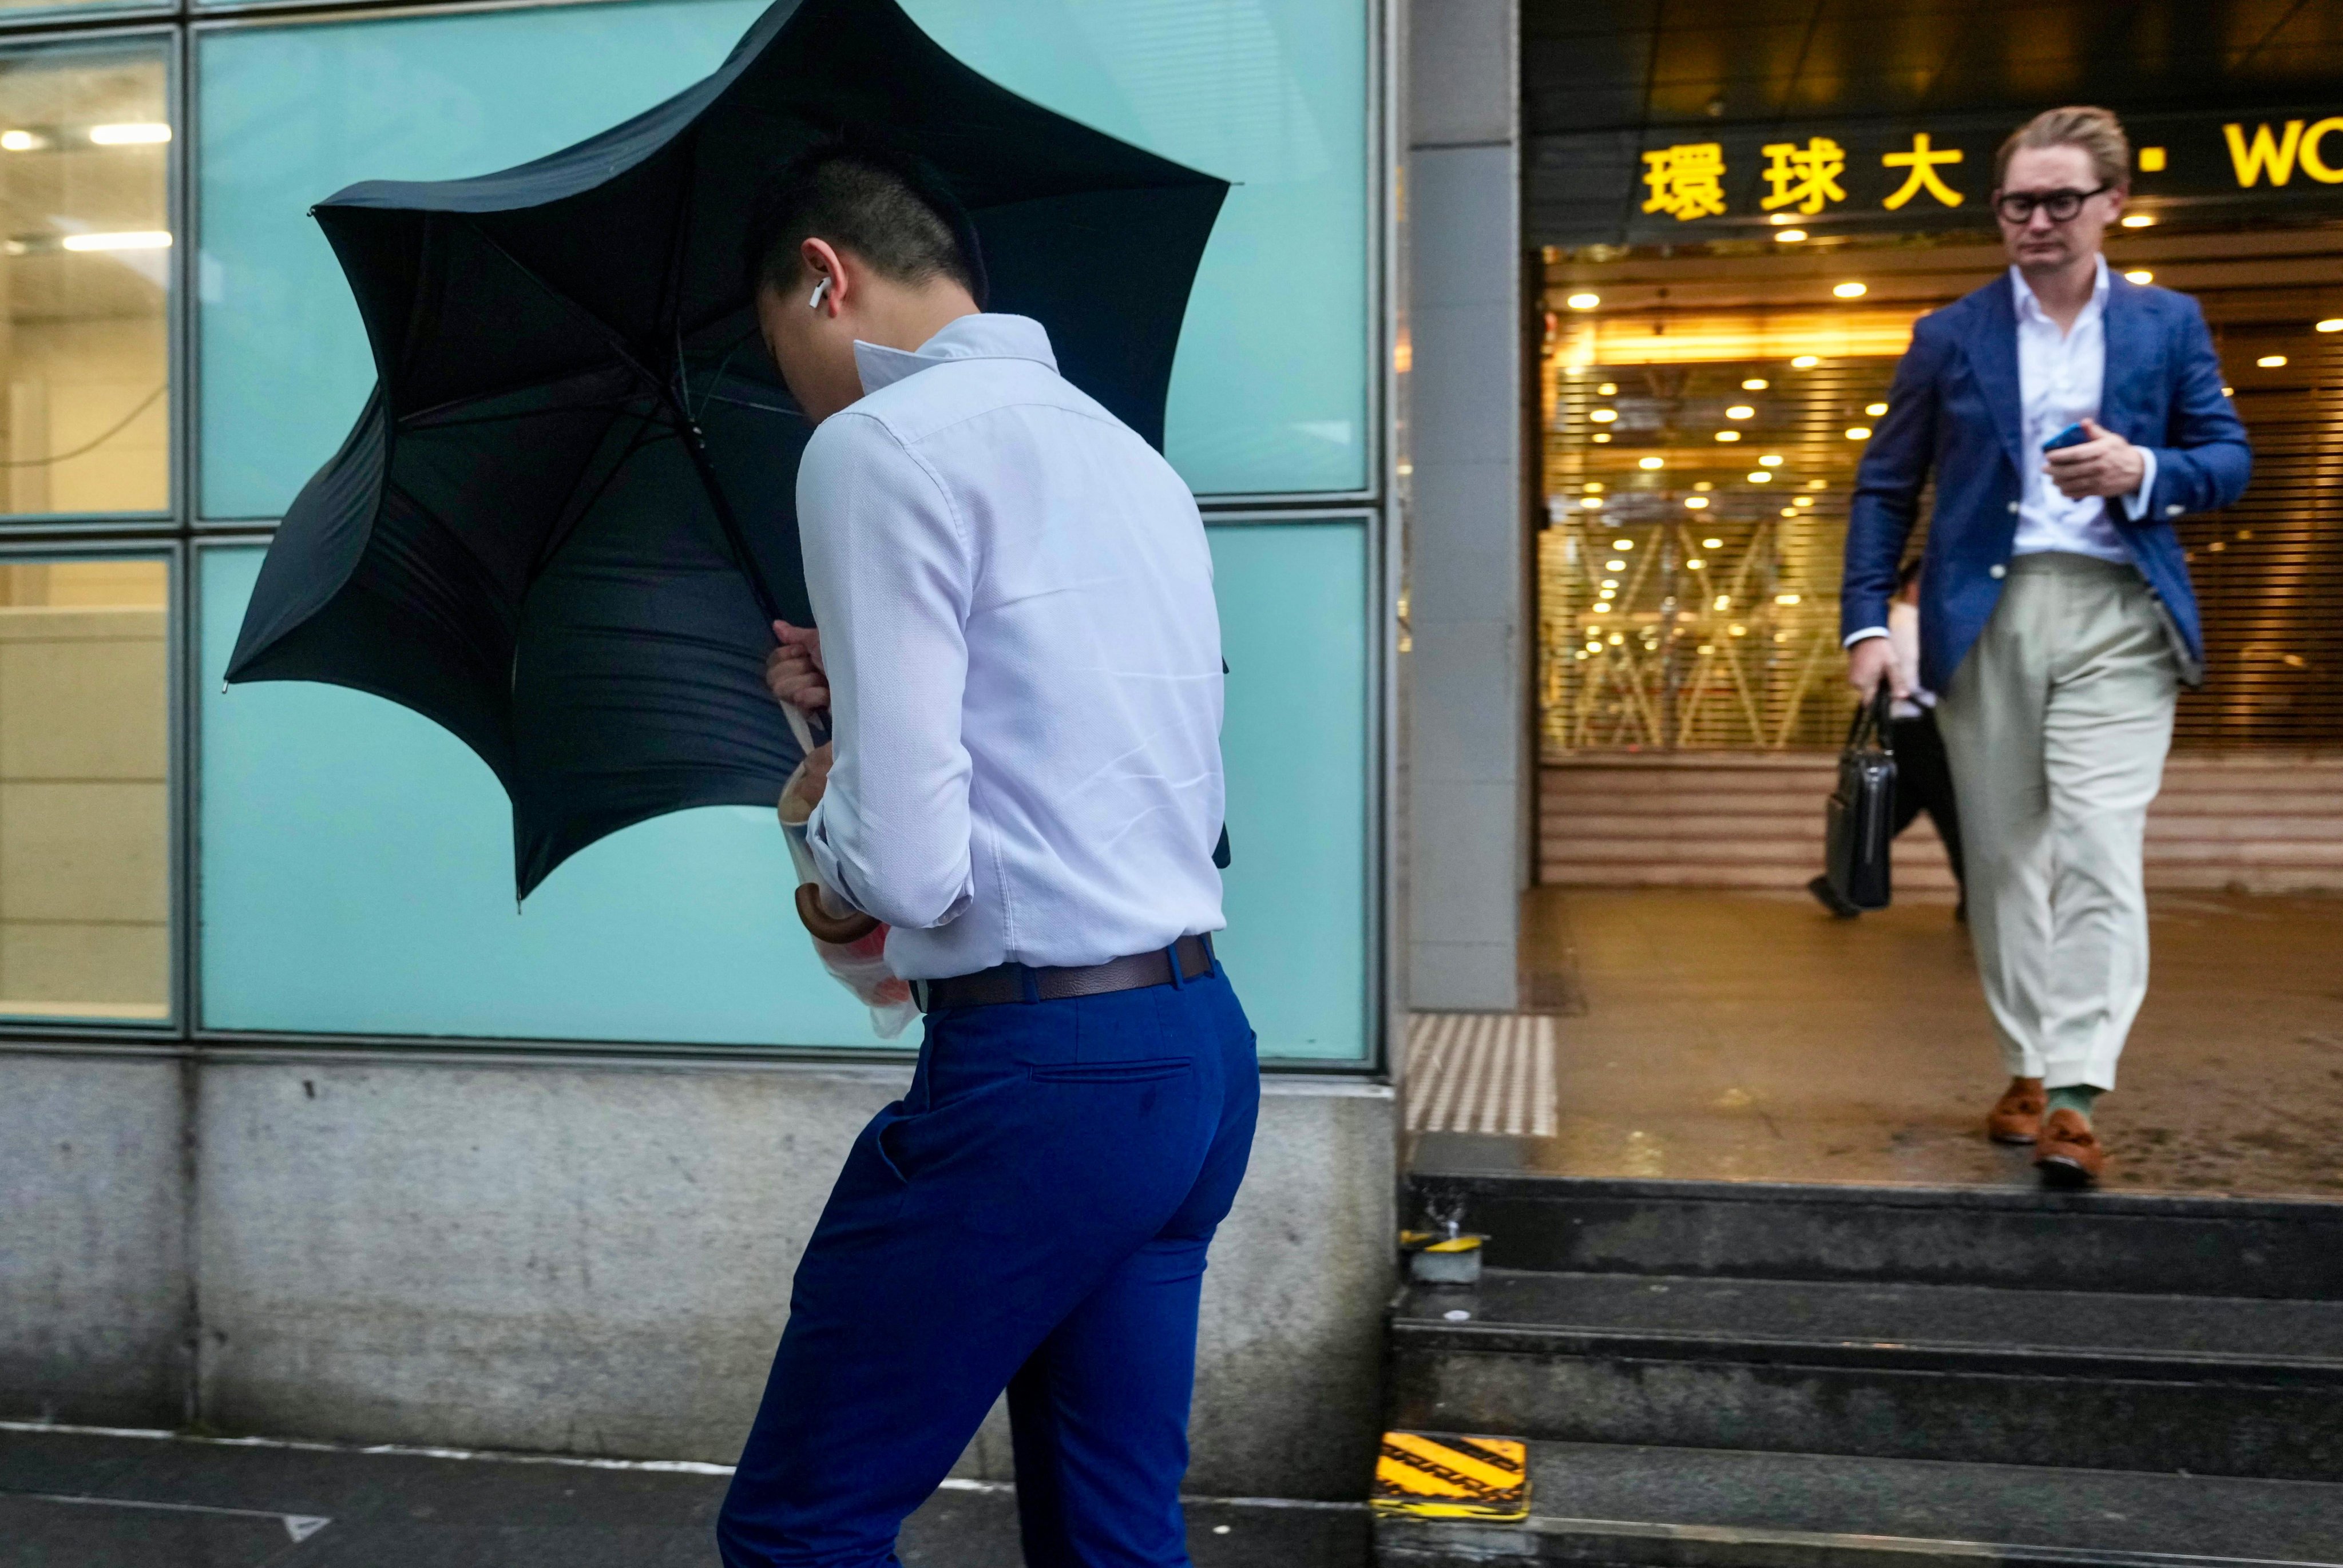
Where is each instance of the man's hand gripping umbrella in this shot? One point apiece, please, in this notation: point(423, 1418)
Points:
point(852, 945)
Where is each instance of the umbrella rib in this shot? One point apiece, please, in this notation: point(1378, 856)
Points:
point(573, 515)
point(664, 388)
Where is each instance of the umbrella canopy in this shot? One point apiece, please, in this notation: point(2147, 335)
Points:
point(567, 513)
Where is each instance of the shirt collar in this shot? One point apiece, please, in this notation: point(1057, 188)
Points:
point(2030, 308)
point(979, 336)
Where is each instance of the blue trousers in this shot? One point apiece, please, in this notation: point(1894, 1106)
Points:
point(1033, 1215)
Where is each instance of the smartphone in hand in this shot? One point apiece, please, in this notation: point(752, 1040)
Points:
point(2072, 435)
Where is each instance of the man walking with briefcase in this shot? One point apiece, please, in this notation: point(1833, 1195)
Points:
point(2070, 417)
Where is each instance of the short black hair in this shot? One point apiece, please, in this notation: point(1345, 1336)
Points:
point(889, 208)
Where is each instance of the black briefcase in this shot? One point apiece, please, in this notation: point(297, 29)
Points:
point(1861, 817)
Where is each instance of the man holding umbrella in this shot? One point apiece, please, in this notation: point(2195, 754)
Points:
point(1020, 654)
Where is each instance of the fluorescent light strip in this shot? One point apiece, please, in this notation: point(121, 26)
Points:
point(136, 133)
point(141, 240)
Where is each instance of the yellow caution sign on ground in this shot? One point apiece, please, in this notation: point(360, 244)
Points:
point(1452, 1477)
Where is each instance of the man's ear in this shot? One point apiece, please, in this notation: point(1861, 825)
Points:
point(831, 283)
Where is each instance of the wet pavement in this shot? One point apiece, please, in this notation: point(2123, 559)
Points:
point(90, 1500)
point(1750, 1037)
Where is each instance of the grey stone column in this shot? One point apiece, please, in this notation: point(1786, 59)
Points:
point(1468, 759)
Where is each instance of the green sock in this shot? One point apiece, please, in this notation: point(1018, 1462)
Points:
point(2074, 1097)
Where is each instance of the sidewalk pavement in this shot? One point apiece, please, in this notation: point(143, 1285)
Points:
point(79, 1498)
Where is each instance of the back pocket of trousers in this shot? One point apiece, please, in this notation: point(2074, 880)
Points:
point(1109, 1072)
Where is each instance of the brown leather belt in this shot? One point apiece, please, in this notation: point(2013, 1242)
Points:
point(1025, 982)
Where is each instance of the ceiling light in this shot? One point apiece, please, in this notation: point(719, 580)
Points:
point(1600, 436)
point(1608, 389)
point(1790, 235)
point(1851, 290)
point(1592, 503)
point(1592, 485)
point(1712, 543)
point(2140, 275)
point(1623, 544)
point(1875, 409)
point(1705, 485)
point(1804, 501)
point(1858, 432)
point(1771, 460)
point(1603, 415)
point(1609, 592)
point(1818, 484)
point(1728, 434)
point(1786, 598)
point(2267, 361)
point(1583, 301)
point(1695, 502)
point(143, 239)
point(1755, 384)
point(139, 134)
point(1617, 639)
point(1741, 411)
point(2332, 324)
point(20, 141)
point(1694, 564)
point(1725, 601)
point(1738, 630)
point(1789, 511)
point(1603, 609)
point(2139, 220)
point(1761, 477)
point(1650, 462)
point(1780, 218)
point(1805, 362)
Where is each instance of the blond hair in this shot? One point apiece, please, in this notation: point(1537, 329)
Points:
point(2096, 131)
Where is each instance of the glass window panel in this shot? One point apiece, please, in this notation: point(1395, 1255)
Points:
point(1270, 389)
point(84, 790)
point(356, 872)
point(356, 876)
point(1293, 626)
point(291, 114)
point(1271, 93)
point(85, 272)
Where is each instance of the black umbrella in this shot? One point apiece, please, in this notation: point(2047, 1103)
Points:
point(566, 516)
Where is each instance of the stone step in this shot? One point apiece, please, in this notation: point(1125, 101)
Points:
point(1642, 1507)
point(2237, 1387)
point(2129, 1243)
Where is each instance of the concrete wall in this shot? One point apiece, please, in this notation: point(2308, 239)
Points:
point(595, 1257)
point(93, 1256)
point(1468, 763)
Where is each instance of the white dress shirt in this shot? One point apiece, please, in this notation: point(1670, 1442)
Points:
point(1016, 608)
point(2059, 377)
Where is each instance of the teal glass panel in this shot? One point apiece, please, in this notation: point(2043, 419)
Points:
point(288, 115)
point(356, 876)
point(1296, 741)
point(355, 870)
point(1270, 392)
point(1270, 389)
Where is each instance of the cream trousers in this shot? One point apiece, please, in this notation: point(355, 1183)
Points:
point(2057, 725)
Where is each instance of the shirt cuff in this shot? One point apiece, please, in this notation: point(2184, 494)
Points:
point(1865, 635)
point(2136, 504)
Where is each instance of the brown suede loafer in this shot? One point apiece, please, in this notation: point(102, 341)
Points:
point(2017, 1116)
point(2069, 1153)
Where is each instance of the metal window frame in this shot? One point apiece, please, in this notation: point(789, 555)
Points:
point(47, 40)
point(182, 533)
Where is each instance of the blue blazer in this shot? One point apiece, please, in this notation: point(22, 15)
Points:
point(1955, 410)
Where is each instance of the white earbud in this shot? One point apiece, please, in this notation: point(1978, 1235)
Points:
point(819, 290)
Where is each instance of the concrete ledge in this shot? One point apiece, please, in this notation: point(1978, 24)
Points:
point(594, 1258)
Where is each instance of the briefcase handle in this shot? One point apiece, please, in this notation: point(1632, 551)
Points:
point(1874, 721)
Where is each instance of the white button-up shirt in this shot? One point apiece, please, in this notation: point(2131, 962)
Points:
point(1024, 663)
point(2059, 379)
point(2060, 376)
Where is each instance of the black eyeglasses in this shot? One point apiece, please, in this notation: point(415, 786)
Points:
point(2017, 206)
